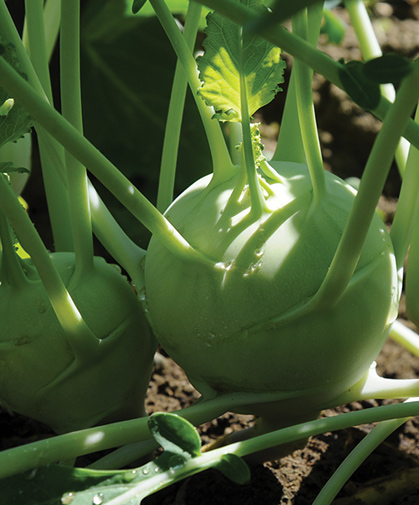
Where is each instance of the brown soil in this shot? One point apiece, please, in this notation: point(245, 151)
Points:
point(391, 474)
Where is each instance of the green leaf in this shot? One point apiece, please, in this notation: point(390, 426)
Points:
point(47, 485)
point(14, 120)
point(389, 68)
point(362, 90)
point(234, 468)
point(176, 435)
point(228, 54)
point(60, 485)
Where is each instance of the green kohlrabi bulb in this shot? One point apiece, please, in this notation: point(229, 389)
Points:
point(40, 374)
point(247, 323)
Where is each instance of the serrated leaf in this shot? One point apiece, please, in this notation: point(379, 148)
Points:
point(362, 90)
point(176, 435)
point(228, 54)
point(7, 167)
point(234, 468)
point(14, 120)
point(389, 68)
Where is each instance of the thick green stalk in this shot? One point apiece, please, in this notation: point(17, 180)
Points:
point(100, 166)
point(175, 115)
point(211, 459)
point(52, 16)
point(34, 10)
point(408, 207)
point(370, 189)
point(77, 184)
point(306, 114)
point(57, 199)
point(299, 48)
point(126, 253)
point(370, 49)
point(406, 337)
point(80, 337)
point(290, 145)
point(222, 165)
point(91, 440)
point(11, 271)
point(248, 161)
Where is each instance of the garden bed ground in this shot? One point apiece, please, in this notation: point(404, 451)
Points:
point(391, 475)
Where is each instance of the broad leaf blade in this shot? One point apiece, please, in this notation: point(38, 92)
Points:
point(230, 53)
point(175, 434)
point(47, 485)
point(389, 68)
point(55, 484)
point(234, 468)
point(362, 90)
point(126, 90)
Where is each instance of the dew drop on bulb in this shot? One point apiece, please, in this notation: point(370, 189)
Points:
point(67, 498)
point(97, 499)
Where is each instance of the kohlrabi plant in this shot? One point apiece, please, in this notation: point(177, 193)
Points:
point(272, 282)
point(75, 345)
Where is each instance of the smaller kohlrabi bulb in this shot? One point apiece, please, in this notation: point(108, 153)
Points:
point(40, 374)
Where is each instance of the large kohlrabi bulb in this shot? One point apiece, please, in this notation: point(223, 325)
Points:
point(247, 323)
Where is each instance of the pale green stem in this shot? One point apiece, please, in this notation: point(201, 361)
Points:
point(354, 460)
point(100, 166)
point(370, 49)
point(52, 16)
point(11, 271)
point(211, 459)
point(408, 206)
point(34, 10)
point(299, 48)
point(91, 440)
point(57, 199)
point(234, 137)
point(175, 115)
point(406, 337)
point(127, 254)
point(372, 183)
point(107, 229)
point(80, 337)
point(290, 145)
point(258, 204)
point(77, 186)
point(308, 125)
point(222, 165)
